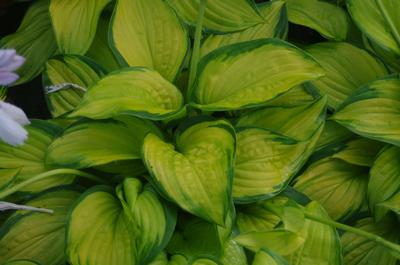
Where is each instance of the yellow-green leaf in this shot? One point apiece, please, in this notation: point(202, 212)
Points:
point(148, 33)
point(29, 159)
point(248, 74)
point(273, 26)
point(197, 173)
point(34, 40)
point(221, 15)
point(38, 236)
point(379, 20)
point(135, 91)
point(75, 23)
point(342, 78)
point(130, 229)
point(66, 79)
point(373, 111)
point(384, 182)
point(92, 143)
point(330, 20)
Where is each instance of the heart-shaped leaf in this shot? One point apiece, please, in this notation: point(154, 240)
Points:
point(66, 79)
point(75, 23)
point(272, 67)
point(197, 172)
point(88, 143)
point(136, 91)
point(373, 111)
point(130, 229)
point(148, 33)
point(38, 236)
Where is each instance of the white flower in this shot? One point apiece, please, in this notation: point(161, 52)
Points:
point(9, 62)
point(12, 120)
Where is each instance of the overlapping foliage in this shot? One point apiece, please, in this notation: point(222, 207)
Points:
point(206, 137)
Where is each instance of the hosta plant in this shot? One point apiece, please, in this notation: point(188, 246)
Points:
point(205, 133)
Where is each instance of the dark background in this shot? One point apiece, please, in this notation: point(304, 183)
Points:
point(30, 96)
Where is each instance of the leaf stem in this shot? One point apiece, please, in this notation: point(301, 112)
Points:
point(196, 47)
point(64, 171)
point(379, 240)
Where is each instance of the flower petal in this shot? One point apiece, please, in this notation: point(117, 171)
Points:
point(7, 78)
point(10, 131)
point(14, 113)
point(6, 55)
point(13, 64)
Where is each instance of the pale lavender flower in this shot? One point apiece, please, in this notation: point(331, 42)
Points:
point(9, 62)
point(4, 206)
point(12, 120)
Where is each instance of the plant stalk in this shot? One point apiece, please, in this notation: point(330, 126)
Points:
point(379, 240)
point(65, 171)
point(194, 63)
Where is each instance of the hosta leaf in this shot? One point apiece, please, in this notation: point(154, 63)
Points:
point(384, 182)
point(373, 111)
point(220, 16)
point(162, 259)
point(75, 23)
point(360, 152)
point(333, 134)
point(29, 159)
point(197, 173)
point(295, 96)
point(233, 254)
point(322, 243)
point(38, 236)
point(359, 250)
point(278, 240)
point(205, 261)
point(342, 79)
point(34, 40)
point(133, 229)
point(274, 25)
point(100, 50)
point(66, 79)
point(148, 33)
point(21, 262)
point(263, 229)
point(265, 163)
point(139, 92)
point(267, 257)
point(390, 58)
point(197, 237)
point(328, 19)
point(254, 217)
point(263, 80)
point(91, 143)
point(379, 20)
point(298, 122)
point(339, 186)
